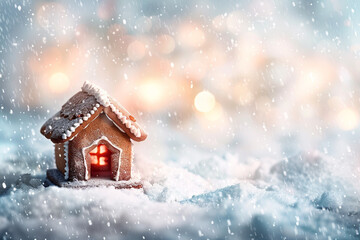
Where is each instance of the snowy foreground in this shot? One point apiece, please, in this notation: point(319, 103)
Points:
point(188, 193)
point(295, 198)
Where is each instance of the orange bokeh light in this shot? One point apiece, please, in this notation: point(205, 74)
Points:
point(136, 50)
point(152, 93)
point(191, 36)
point(59, 82)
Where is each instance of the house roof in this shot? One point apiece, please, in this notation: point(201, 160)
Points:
point(79, 111)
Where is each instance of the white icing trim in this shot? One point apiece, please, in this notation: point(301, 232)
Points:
point(67, 133)
point(84, 127)
point(100, 94)
point(85, 165)
point(133, 129)
point(132, 159)
point(115, 123)
point(96, 143)
point(103, 98)
point(66, 158)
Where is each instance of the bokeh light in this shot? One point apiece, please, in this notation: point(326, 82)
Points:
point(165, 44)
point(215, 114)
point(191, 36)
point(348, 119)
point(204, 101)
point(243, 93)
point(136, 50)
point(151, 94)
point(59, 82)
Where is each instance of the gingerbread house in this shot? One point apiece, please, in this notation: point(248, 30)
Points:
point(93, 136)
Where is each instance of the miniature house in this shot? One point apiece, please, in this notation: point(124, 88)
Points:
point(92, 135)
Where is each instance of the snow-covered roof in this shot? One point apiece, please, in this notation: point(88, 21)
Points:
point(85, 106)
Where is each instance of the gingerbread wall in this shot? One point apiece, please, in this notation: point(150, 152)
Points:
point(60, 157)
point(104, 129)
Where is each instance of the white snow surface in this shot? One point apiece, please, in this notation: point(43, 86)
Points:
point(193, 194)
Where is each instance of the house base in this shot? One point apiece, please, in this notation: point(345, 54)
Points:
point(57, 178)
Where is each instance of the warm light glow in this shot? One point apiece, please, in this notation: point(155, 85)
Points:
point(243, 93)
point(196, 68)
point(215, 114)
point(100, 155)
point(136, 50)
point(249, 54)
point(59, 82)
point(102, 161)
point(151, 93)
point(191, 36)
point(166, 44)
point(94, 159)
point(314, 79)
point(102, 149)
point(204, 101)
point(317, 75)
point(235, 22)
point(94, 151)
point(219, 22)
point(348, 119)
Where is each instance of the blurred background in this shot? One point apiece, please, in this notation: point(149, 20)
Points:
point(254, 79)
point(252, 109)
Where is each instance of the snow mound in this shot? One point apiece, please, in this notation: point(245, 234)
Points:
point(216, 198)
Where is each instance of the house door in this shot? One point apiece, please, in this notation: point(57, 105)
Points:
point(100, 162)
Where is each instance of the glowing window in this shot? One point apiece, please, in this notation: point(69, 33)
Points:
point(100, 155)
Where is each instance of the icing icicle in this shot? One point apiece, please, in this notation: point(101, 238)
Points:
point(66, 157)
point(102, 97)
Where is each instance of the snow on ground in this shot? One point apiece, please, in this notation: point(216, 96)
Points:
point(195, 195)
